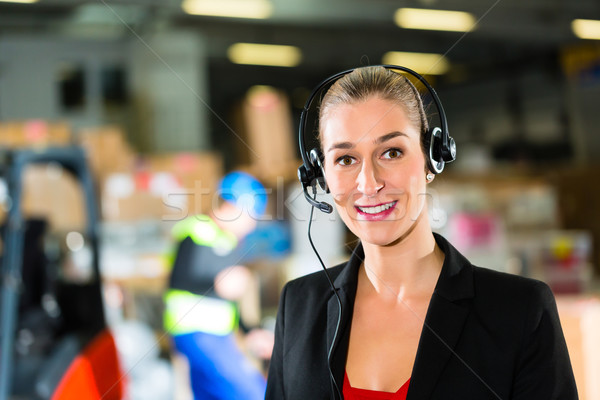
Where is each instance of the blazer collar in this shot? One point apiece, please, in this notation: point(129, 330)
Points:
point(441, 329)
point(456, 278)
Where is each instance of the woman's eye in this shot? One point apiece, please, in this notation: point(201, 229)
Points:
point(345, 160)
point(392, 153)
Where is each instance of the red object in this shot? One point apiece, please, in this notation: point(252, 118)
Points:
point(94, 374)
point(352, 393)
point(36, 131)
point(186, 162)
point(142, 180)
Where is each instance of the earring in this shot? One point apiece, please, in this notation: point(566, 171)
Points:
point(430, 177)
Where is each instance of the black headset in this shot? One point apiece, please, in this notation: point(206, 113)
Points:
point(442, 148)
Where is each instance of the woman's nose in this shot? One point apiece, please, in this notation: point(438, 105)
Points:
point(368, 180)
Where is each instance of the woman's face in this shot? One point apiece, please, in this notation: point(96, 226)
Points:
point(375, 169)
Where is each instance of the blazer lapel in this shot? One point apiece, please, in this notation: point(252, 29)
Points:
point(443, 323)
point(442, 328)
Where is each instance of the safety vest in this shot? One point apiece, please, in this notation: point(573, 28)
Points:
point(187, 312)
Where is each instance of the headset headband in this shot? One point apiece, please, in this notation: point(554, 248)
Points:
point(303, 116)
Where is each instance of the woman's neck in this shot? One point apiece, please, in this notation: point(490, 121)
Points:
point(405, 269)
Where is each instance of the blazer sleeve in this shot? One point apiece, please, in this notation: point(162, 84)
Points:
point(543, 370)
point(274, 389)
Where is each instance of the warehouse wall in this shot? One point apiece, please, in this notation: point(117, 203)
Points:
point(165, 82)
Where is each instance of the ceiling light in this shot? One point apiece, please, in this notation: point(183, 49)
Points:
point(19, 1)
point(422, 63)
point(254, 9)
point(264, 54)
point(436, 20)
point(586, 28)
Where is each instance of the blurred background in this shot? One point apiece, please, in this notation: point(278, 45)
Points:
point(163, 98)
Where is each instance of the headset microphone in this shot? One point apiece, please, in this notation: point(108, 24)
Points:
point(304, 179)
point(321, 205)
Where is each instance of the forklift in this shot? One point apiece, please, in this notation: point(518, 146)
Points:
point(54, 340)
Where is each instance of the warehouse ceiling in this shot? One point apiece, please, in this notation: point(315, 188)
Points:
point(324, 28)
point(510, 36)
point(332, 34)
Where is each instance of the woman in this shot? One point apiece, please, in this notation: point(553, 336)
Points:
point(418, 321)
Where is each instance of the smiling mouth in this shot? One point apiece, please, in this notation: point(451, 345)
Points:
point(376, 209)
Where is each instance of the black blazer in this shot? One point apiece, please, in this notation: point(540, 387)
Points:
point(487, 335)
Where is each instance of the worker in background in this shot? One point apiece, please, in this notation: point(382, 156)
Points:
point(206, 280)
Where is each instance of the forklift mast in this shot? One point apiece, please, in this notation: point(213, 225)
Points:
point(86, 313)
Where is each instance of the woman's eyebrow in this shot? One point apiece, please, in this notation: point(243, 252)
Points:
point(388, 136)
point(340, 145)
point(379, 140)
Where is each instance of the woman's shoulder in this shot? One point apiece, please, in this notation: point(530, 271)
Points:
point(306, 297)
point(511, 291)
point(489, 279)
point(315, 281)
point(487, 285)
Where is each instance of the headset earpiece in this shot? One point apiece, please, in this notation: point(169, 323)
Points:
point(303, 176)
point(316, 160)
point(439, 152)
point(436, 162)
point(449, 150)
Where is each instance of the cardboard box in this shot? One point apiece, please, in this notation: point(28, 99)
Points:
point(122, 200)
point(107, 150)
point(197, 174)
point(169, 187)
point(34, 133)
point(52, 193)
point(267, 129)
point(139, 206)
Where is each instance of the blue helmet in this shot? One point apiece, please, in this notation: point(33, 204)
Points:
point(244, 191)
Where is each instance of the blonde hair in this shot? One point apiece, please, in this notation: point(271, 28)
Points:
point(377, 81)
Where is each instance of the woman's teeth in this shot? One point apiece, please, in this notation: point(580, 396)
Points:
point(376, 209)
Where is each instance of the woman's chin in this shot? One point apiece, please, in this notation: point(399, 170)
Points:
point(377, 237)
point(381, 235)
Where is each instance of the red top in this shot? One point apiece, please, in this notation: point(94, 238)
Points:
point(352, 393)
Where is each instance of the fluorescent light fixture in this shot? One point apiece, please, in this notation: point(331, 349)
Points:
point(253, 9)
point(19, 1)
point(264, 54)
point(586, 28)
point(422, 63)
point(435, 20)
